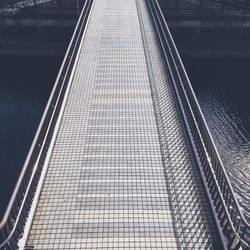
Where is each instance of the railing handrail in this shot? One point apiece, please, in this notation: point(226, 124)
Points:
point(188, 89)
point(41, 137)
point(201, 113)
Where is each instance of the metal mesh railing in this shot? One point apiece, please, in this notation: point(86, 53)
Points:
point(13, 222)
point(233, 223)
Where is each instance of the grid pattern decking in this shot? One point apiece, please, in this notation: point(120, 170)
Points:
point(106, 185)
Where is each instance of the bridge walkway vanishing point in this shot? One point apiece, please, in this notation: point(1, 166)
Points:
point(108, 183)
point(115, 163)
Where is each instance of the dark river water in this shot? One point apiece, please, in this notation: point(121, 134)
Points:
point(223, 89)
point(24, 89)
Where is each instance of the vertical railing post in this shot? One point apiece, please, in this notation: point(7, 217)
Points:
point(232, 221)
point(13, 222)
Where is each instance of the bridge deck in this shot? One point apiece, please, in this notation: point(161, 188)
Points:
point(115, 179)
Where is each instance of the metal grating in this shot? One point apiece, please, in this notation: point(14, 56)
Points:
point(116, 179)
point(195, 226)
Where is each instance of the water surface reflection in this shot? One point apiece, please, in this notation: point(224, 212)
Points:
point(24, 89)
point(222, 89)
point(232, 140)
